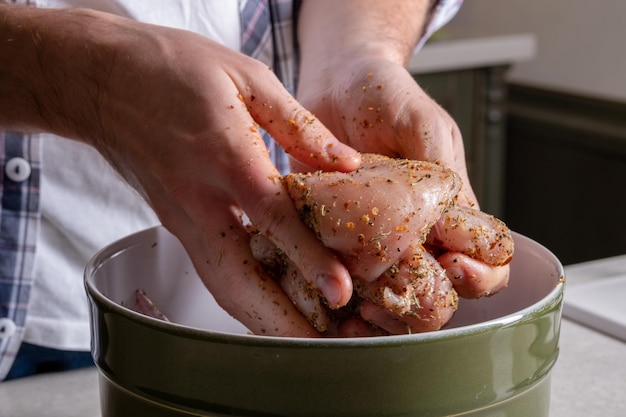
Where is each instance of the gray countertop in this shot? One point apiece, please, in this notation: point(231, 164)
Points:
point(466, 52)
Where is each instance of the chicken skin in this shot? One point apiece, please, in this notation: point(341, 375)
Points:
point(409, 248)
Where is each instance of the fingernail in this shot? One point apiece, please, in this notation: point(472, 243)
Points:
point(344, 152)
point(331, 289)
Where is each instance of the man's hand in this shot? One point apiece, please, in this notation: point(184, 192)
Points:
point(376, 106)
point(178, 115)
point(354, 78)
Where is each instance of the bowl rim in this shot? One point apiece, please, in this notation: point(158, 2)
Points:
point(117, 247)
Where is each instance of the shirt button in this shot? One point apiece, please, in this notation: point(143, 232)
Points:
point(7, 328)
point(18, 169)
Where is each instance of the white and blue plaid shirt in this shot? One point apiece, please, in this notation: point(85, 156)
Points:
point(19, 193)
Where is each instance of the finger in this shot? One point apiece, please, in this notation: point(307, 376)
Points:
point(405, 323)
point(275, 216)
point(357, 327)
point(218, 247)
point(296, 129)
point(384, 319)
point(256, 186)
point(414, 296)
point(474, 233)
point(472, 278)
point(241, 286)
point(300, 292)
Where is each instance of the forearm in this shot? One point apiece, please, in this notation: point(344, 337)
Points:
point(331, 31)
point(19, 69)
point(48, 69)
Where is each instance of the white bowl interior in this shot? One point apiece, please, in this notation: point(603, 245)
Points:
point(154, 260)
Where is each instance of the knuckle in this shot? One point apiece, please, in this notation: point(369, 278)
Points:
point(278, 221)
point(269, 215)
point(301, 121)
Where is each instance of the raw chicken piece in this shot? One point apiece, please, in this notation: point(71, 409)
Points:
point(379, 219)
point(144, 305)
point(416, 288)
point(476, 234)
point(372, 215)
point(473, 241)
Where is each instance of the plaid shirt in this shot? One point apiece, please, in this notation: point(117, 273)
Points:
point(19, 221)
point(268, 34)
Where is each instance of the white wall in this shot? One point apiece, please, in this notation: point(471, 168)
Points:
point(581, 44)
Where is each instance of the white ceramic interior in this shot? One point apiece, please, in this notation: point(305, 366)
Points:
point(171, 283)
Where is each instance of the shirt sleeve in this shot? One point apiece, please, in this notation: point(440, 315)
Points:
point(440, 13)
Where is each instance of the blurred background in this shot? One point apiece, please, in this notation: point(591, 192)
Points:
point(539, 91)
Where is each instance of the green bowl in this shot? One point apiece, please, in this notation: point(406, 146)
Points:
point(494, 358)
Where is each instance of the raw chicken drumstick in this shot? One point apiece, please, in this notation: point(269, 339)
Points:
point(395, 224)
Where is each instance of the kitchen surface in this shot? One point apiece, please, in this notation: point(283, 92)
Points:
point(587, 380)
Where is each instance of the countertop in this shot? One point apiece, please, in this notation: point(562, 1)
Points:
point(589, 378)
point(460, 51)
